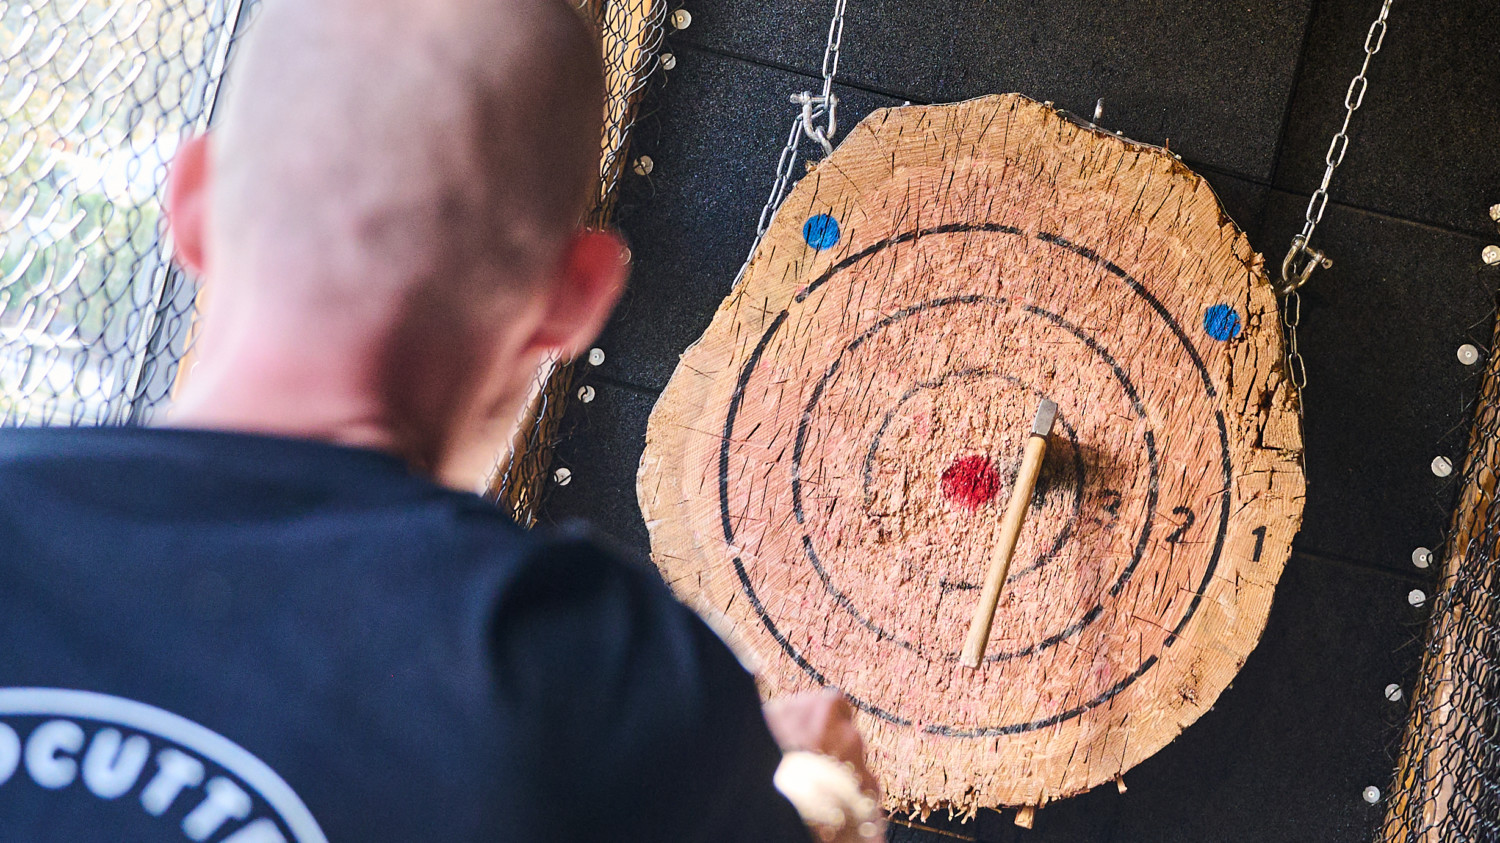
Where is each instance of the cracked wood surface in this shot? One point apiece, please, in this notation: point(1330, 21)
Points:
point(824, 474)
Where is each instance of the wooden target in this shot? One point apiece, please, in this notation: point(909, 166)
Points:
point(827, 469)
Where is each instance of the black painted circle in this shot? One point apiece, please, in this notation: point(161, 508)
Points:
point(809, 546)
point(754, 360)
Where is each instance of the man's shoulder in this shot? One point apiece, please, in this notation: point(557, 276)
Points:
point(573, 571)
point(572, 550)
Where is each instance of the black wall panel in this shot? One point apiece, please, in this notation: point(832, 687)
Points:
point(1249, 93)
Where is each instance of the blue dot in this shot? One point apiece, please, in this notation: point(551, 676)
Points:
point(821, 231)
point(1221, 322)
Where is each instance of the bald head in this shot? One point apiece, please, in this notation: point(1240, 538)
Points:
point(383, 146)
point(387, 218)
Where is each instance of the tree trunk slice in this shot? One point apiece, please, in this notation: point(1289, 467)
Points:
point(826, 471)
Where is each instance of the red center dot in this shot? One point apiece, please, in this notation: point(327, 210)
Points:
point(971, 482)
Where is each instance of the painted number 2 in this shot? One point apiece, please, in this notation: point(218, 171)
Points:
point(1188, 520)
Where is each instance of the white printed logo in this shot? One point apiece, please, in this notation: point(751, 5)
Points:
point(69, 744)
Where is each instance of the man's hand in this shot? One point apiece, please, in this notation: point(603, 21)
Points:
point(821, 722)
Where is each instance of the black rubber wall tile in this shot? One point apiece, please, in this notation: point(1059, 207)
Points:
point(1289, 748)
point(1244, 201)
point(601, 445)
point(1386, 391)
point(714, 133)
point(1424, 144)
point(1211, 76)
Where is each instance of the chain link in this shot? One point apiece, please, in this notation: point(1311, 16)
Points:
point(823, 106)
point(1301, 259)
point(1291, 317)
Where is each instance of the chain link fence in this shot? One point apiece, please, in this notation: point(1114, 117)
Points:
point(1447, 787)
point(95, 96)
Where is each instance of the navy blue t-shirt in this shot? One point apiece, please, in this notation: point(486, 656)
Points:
point(244, 639)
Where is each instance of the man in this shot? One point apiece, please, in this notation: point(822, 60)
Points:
point(270, 623)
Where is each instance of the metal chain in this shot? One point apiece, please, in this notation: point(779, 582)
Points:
point(826, 103)
point(1296, 368)
point(1301, 259)
point(823, 106)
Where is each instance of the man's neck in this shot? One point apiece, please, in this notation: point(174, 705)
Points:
point(304, 396)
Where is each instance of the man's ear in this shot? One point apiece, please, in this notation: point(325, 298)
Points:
point(187, 202)
point(590, 279)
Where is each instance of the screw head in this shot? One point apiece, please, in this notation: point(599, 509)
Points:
point(1491, 255)
point(1421, 557)
point(596, 357)
point(586, 394)
point(682, 19)
point(1468, 354)
point(643, 165)
point(1417, 597)
point(1393, 692)
point(1442, 466)
point(562, 476)
point(668, 61)
point(1372, 794)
